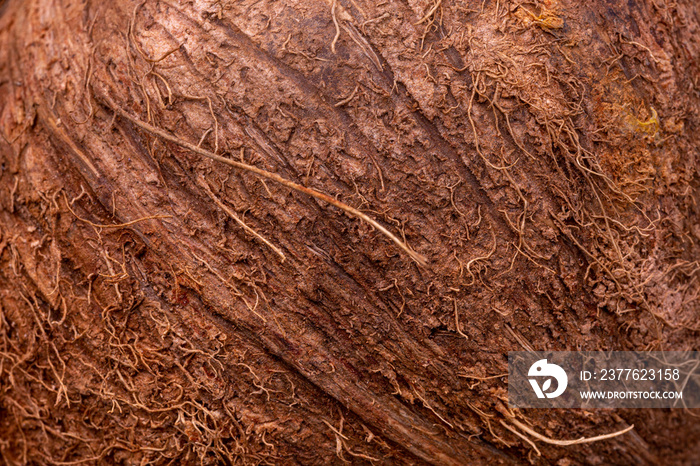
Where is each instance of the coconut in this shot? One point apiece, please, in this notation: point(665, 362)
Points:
point(311, 232)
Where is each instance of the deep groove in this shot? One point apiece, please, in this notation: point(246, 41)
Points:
point(481, 194)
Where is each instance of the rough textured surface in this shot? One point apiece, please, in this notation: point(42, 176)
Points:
point(543, 156)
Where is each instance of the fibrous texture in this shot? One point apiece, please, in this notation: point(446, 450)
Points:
point(159, 306)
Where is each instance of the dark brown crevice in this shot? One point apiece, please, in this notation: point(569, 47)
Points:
point(346, 348)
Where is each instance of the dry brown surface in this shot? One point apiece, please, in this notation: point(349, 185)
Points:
point(158, 306)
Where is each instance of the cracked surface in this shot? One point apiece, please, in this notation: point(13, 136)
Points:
point(543, 156)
